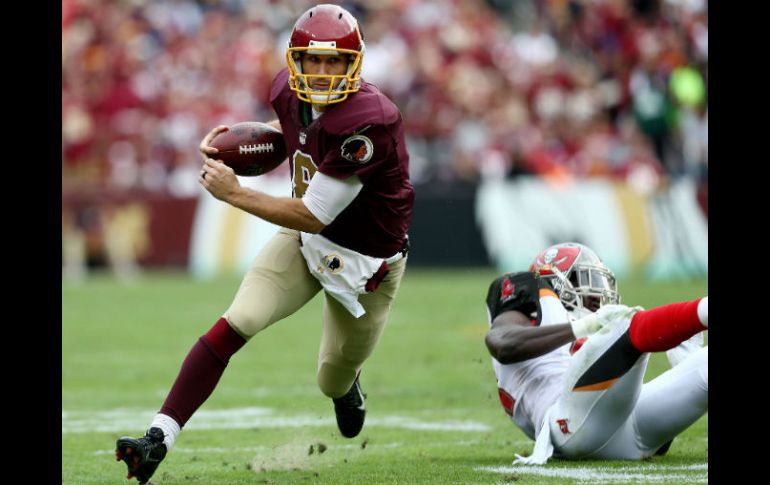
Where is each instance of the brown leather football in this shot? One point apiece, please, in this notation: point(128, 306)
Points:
point(250, 148)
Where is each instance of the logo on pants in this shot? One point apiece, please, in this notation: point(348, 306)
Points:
point(332, 262)
point(563, 425)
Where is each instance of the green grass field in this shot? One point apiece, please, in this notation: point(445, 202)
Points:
point(433, 413)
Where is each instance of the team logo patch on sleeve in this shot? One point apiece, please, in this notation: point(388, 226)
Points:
point(507, 291)
point(357, 149)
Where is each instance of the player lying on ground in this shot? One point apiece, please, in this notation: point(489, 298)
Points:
point(592, 404)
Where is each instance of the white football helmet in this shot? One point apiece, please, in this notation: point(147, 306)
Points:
point(580, 279)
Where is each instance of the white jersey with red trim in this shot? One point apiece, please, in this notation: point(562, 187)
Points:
point(595, 403)
point(533, 385)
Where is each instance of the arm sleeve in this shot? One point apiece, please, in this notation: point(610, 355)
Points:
point(327, 196)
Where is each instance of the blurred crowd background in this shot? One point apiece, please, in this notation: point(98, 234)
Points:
point(488, 88)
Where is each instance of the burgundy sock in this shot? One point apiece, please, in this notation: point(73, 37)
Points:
point(201, 371)
point(665, 327)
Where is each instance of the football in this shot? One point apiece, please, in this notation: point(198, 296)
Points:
point(250, 148)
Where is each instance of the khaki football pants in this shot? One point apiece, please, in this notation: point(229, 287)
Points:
point(278, 284)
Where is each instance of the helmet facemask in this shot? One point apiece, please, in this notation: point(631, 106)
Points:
point(300, 83)
point(586, 287)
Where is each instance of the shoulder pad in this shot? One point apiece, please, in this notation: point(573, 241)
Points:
point(515, 291)
point(280, 84)
point(367, 107)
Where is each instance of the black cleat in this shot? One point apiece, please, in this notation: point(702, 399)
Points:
point(142, 455)
point(350, 410)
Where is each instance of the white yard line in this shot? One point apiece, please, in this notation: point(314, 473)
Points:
point(645, 473)
point(129, 420)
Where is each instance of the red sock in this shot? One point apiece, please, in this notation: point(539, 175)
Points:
point(201, 371)
point(665, 327)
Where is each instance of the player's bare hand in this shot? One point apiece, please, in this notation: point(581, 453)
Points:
point(218, 179)
point(209, 151)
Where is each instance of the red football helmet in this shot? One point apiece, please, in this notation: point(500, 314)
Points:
point(578, 276)
point(325, 30)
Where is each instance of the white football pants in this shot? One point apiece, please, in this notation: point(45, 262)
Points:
point(626, 420)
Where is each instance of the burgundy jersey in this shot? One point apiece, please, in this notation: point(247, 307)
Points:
point(362, 136)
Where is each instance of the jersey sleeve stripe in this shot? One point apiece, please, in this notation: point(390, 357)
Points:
point(545, 292)
point(599, 386)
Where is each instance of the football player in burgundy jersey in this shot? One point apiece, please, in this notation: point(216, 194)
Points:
point(343, 231)
point(590, 402)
